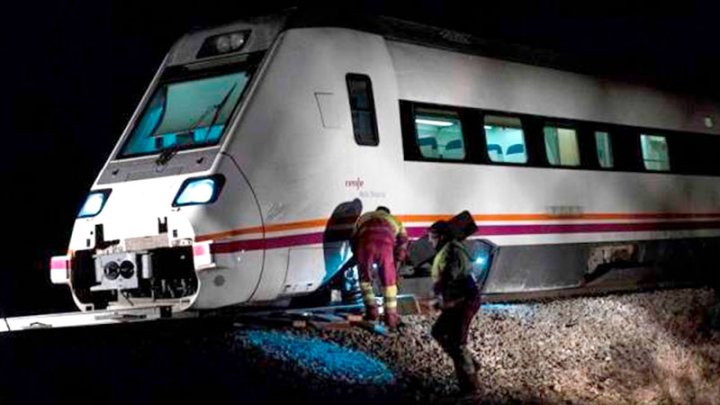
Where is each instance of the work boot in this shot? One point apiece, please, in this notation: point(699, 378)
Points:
point(371, 310)
point(372, 313)
point(392, 319)
point(465, 369)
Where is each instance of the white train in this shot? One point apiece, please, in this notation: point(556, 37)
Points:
point(258, 143)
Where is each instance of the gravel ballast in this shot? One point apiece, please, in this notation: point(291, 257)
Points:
point(633, 348)
point(650, 347)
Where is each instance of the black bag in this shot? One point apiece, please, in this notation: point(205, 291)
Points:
point(421, 251)
point(463, 225)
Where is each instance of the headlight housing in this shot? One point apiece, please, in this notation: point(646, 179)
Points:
point(199, 191)
point(94, 203)
point(224, 43)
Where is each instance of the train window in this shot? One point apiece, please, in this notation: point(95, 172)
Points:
point(561, 146)
point(505, 139)
point(439, 134)
point(655, 152)
point(362, 108)
point(186, 114)
point(604, 149)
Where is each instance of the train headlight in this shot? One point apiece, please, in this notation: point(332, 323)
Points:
point(223, 43)
point(94, 203)
point(111, 270)
point(199, 190)
point(127, 268)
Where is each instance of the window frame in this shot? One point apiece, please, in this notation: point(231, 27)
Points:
point(562, 125)
point(657, 134)
point(450, 112)
point(411, 147)
point(178, 74)
point(611, 141)
point(525, 130)
point(624, 142)
point(349, 77)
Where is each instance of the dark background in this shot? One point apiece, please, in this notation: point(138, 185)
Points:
point(74, 71)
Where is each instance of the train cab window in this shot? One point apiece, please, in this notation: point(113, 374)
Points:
point(655, 152)
point(186, 114)
point(362, 107)
point(439, 134)
point(505, 139)
point(604, 149)
point(561, 146)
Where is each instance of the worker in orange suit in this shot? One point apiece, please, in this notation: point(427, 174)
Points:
point(380, 241)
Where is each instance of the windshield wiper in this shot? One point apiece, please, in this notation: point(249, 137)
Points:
point(218, 108)
point(168, 153)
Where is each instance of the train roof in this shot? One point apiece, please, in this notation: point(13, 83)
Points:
point(396, 29)
point(267, 27)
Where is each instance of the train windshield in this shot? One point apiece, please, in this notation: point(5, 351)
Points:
point(186, 114)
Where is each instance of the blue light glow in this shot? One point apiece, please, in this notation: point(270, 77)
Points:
point(93, 205)
point(322, 358)
point(499, 307)
point(522, 312)
point(197, 192)
point(481, 260)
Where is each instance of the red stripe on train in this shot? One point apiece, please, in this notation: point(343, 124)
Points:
point(483, 230)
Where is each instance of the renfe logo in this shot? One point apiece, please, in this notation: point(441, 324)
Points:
point(357, 183)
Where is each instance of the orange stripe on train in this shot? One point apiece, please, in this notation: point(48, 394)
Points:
point(317, 223)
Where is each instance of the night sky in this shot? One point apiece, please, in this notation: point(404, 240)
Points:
point(75, 71)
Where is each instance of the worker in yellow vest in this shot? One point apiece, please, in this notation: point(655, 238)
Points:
point(458, 298)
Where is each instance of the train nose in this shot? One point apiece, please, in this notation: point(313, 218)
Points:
point(131, 245)
point(168, 229)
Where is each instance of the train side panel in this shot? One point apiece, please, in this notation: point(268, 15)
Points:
point(296, 146)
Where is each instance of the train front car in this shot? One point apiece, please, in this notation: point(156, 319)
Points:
point(144, 234)
point(258, 144)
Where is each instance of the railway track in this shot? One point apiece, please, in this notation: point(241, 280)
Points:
point(333, 316)
point(412, 300)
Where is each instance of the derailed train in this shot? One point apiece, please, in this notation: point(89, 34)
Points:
point(258, 143)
